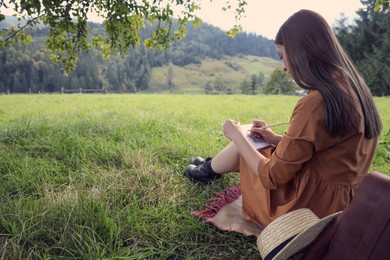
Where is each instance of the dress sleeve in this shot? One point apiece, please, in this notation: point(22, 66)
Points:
point(298, 144)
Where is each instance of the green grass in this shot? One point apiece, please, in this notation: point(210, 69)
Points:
point(193, 77)
point(100, 176)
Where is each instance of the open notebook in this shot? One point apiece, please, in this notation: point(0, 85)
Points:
point(258, 143)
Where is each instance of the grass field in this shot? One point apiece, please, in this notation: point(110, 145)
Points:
point(194, 77)
point(100, 176)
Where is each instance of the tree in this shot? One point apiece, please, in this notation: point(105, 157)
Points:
point(208, 87)
point(261, 79)
point(254, 84)
point(123, 21)
point(382, 4)
point(372, 31)
point(245, 87)
point(170, 77)
point(219, 84)
point(280, 83)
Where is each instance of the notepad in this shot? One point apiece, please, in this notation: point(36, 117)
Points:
point(258, 143)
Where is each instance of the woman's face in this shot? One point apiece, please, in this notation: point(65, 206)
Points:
point(282, 55)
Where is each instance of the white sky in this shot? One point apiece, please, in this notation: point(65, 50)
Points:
point(264, 17)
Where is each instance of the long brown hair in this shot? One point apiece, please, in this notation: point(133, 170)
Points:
point(314, 57)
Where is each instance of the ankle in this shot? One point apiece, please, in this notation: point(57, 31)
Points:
point(211, 168)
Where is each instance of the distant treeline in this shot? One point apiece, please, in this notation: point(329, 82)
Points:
point(28, 68)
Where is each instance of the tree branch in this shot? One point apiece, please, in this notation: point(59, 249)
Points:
point(15, 32)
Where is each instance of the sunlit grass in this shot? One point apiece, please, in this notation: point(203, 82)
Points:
point(100, 176)
point(194, 77)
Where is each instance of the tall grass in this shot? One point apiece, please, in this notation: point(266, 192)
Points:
point(100, 176)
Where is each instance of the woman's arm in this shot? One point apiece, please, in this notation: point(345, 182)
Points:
point(294, 150)
point(234, 132)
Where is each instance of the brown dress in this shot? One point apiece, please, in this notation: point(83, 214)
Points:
point(308, 168)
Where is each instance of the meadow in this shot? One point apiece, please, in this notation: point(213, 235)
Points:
point(101, 176)
point(193, 77)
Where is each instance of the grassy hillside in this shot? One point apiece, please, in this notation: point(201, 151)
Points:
point(193, 77)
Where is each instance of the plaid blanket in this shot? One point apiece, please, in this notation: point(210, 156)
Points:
point(225, 212)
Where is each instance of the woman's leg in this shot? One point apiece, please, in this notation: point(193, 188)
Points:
point(227, 160)
point(209, 170)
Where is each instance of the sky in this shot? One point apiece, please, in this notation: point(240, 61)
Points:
point(264, 17)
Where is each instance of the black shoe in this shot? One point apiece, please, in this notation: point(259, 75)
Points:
point(202, 174)
point(199, 160)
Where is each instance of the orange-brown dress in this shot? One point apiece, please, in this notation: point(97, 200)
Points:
point(308, 168)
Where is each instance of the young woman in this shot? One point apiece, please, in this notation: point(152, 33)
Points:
point(330, 143)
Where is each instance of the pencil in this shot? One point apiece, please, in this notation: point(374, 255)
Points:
point(268, 126)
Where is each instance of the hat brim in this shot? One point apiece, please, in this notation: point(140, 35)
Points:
point(304, 238)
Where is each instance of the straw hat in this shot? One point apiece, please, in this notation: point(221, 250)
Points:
point(290, 233)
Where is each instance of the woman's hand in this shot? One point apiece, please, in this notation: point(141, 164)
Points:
point(260, 130)
point(232, 129)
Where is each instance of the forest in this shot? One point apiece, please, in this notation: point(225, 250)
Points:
point(29, 69)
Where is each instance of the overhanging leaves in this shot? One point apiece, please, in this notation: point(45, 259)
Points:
point(123, 21)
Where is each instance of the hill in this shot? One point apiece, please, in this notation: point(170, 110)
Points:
point(205, 52)
point(193, 77)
